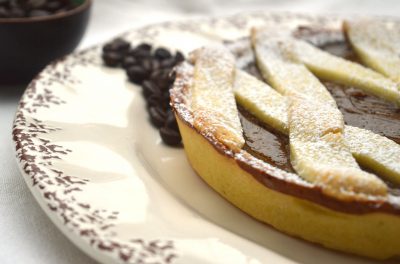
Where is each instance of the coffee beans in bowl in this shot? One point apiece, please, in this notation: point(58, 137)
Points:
point(34, 8)
point(35, 32)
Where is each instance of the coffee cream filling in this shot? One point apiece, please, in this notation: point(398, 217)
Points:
point(323, 150)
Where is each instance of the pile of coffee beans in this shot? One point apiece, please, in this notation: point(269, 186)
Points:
point(35, 8)
point(152, 69)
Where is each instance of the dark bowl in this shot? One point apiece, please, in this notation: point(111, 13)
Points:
point(29, 44)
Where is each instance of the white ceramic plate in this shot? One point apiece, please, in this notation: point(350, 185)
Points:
point(101, 173)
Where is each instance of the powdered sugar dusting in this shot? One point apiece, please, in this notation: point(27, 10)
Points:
point(320, 155)
point(261, 100)
point(377, 44)
point(330, 67)
point(377, 152)
point(371, 150)
point(181, 98)
point(213, 102)
point(180, 93)
point(318, 151)
point(285, 75)
point(181, 103)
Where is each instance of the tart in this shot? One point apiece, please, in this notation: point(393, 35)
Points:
point(300, 129)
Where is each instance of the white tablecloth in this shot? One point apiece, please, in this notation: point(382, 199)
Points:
point(26, 234)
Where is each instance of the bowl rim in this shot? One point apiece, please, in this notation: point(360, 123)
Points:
point(24, 20)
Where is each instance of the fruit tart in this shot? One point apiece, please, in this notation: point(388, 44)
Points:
point(301, 129)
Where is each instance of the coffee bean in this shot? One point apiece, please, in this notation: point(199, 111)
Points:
point(121, 45)
point(167, 63)
point(53, 6)
point(161, 78)
point(24, 4)
point(155, 75)
point(108, 47)
point(140, 53)
point(112, 59)
point(34, 8)
point(137, 74)
point(16, 4)
point(16, 13)
point(156, 64)
point(129, 61)
point(170, 122)
point(179, 57)
point(118, 44)
point(38, 13)
point(153, 100)
point(157, 116)
point(149, 88)
point(144, 46)
point(162, 54)
point(170, 137)
point(3, 12)
point(147, 64)
point(36, 3)
point(72, 4)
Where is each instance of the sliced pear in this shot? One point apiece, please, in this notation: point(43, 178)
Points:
point(318, 151)
point(377, 45)
point(261, 100)
point(371, 150)
point(320, 155)
point(285, 75)
point(213, 102)
point(375, 152)
point(333, 68)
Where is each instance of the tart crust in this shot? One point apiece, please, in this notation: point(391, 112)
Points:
point(374, 235)
point(283, 200)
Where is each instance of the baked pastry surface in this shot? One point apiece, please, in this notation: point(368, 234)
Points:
point(257, 175)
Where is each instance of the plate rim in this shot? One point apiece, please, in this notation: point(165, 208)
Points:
point(102, 254)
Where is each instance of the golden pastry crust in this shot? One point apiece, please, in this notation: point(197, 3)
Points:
point(267, 174)
point(367, 227)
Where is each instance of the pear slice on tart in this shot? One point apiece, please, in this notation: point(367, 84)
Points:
point(376, 44)
point(213, 101)
point(327, 66)
point(319, 152)
point(318, 149)
point(373, 151)
point(330, 200)
point(330, 67)
point(282, 73)
point(261, 100)
point(291, 78)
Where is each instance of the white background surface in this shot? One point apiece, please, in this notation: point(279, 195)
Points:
point(26, 234)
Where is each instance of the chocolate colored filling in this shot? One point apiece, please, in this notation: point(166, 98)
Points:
point(358, 108)
point(264, 142)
